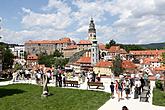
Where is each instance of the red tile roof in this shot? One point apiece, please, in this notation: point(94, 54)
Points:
point(114, 49)
point(150, 60)
point(117, 49)
point(126, 64)
point(63, 40)
point(147, 52)
point(102, 47)
point(162, 68)
point(122, 51)
point(70, 47)
point(83, 42)
point(32, 57)
point(84, 60)
point(104, 64)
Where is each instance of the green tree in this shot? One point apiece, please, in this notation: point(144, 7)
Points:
point(111, 43)
point(163, 58)
point(50, 60)
point(46, 60)
point(61, 62)
point(131, 47)
point(117, 66)
point(8, 58)
point(57, 54)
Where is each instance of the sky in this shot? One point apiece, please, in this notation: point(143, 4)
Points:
point(125, 21)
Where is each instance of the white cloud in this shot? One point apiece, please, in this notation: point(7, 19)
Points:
point(25, 10)
point(137, 21)
point(59, 5)
point(83, 28)
point(140, 21)
point(86, 10)
point(24, 35)
point(53, 20)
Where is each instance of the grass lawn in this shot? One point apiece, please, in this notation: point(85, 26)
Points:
point(28, 97)
point(158, 97)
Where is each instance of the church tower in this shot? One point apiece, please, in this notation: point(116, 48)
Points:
point(91, 30)
point(94, 47)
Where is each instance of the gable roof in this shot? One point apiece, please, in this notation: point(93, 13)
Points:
point(147, 52)
point(117, 49)
point(62, 40)
point(83, 42)
point(84, 60)
point(126, 64)
point(104, 64)
point(162, 68)
point(102, 46)
point(150, 60)
point(114, 49)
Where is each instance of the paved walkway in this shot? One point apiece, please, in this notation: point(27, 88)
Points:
point(111, 104)
point(132, 104)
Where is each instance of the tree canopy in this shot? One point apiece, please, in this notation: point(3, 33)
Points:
point(57, 54)
point(56, 59)
point(163, 58)
point(130, 47)
point(111, 43)
point(117, 66)
point(7, 57)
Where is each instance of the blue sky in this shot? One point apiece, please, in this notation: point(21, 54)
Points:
point(125, 21)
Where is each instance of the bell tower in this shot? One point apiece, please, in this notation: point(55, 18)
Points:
point(94, 47)
point(91, 31)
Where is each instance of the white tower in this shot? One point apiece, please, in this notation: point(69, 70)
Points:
point(94, 47)
point(91, 31)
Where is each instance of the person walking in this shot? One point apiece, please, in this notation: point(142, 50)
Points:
point(56, 77)
point(120, 88)
point(117, 89)
point(64, 80)
point(60, 80)
point(142, 84)
point(136, 92)
point(127, 88)
point(131, 84)
point(112, 87)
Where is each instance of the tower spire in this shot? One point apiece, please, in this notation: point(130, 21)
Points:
point(91, 30)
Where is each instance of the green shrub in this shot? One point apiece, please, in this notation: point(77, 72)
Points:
point(159, 84)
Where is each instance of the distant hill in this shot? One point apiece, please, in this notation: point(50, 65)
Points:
point(153, 46)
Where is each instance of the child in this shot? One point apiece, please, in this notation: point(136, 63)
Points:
point(112, 89)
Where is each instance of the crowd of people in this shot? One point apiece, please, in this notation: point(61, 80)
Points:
point(129, 85)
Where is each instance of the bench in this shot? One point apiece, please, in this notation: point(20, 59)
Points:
point(97, 84)
point(72, 83)
point(144, 96)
